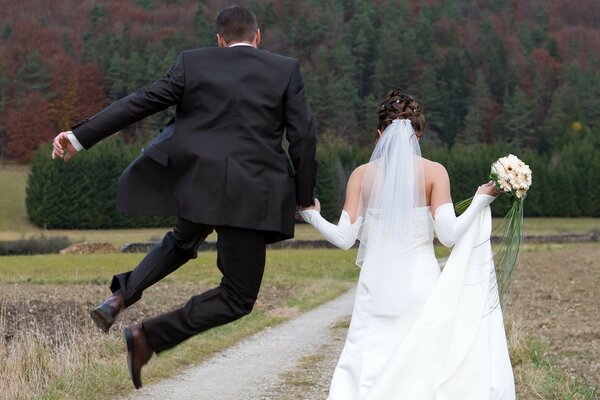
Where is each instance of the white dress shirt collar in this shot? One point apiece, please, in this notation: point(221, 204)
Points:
point(240, 44)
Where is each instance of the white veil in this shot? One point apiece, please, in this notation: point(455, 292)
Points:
point(393, 188)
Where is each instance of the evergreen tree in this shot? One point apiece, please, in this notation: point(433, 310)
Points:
point(205, 28)
point(396, 50)
point(516, 121)
point(6, 32)
point(454, 89)
point(362, 45)
point(556, 126)
point(425, 39)
point(148, 5)
point(97, 13)
point(33, 75)
point(136, 72)
point(343, 96)
point(492, 51)
point(327, 188)
point(479, 107)
point(430, 94)
point(116, 77)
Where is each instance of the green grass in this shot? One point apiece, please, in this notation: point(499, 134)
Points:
point(551, 226)
point(283, 267)
point(14, 223)
point(13, 216)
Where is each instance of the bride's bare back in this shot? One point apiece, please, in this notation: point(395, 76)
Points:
point(437, 187)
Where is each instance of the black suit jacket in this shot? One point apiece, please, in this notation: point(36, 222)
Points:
point(221, 162)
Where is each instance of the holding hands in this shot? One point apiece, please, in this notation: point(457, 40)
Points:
point(316, 206)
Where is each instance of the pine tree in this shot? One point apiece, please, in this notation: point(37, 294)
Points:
point(430, 94)
point(396, 50)
point(343, 96)
point(33, 75)
point(326, 188)
point(496, 66)
point(6, 32)
point(136, 72)
point(454, 89)
point(425, 39)
point(116, 77)
point(479, 106)
point(205, 29)
point(362, 43)
point(516, 120)
point(556, 126)
point(148, 5)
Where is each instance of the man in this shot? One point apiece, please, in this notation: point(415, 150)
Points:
point(219, 167)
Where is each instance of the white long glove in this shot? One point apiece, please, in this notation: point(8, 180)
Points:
point(342, 235)
point(450, 228)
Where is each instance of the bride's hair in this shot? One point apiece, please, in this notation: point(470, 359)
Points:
point(399, 105)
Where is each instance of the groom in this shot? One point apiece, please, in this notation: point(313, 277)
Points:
point(219, 167)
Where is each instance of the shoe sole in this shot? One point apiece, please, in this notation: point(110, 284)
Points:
point(128, 336)
point(102, 319)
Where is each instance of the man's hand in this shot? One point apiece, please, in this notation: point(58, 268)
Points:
point(60, 144)
point(316, 206)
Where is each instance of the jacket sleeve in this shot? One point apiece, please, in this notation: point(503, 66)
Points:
point(146, 101)
point(301, 135)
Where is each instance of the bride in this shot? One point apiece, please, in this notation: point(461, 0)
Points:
point(417, 333)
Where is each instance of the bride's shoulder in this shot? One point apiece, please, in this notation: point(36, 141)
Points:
point(433, 166)
point(358, 174)
point(360, 170)
point(434, 171)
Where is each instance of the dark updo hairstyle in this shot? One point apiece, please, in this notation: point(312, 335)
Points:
point(399, 105)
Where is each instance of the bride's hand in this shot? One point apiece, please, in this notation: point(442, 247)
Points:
point(489, 189)
point(316, 206)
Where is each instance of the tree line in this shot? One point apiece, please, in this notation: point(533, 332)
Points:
point(488, 73)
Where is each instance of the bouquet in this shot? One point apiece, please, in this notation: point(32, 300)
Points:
point(513, 177)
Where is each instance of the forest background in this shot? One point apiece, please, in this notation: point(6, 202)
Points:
point(493, 77)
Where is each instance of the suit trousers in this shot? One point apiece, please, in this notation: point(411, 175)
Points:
point(241, 260)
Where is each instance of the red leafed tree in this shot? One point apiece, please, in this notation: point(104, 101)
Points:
point(79, 90)
point(27, 126)
point(91, 91)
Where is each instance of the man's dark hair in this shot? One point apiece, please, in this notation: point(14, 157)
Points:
point(236, 23)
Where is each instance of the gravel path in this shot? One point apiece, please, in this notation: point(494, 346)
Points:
point(253, 369)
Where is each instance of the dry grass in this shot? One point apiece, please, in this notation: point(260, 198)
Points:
point(36, 359)
point(49, 350)
point(537, 376)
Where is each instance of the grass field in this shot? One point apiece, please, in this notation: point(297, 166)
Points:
point(14, 223)
point(53, 352)
point(50, 350)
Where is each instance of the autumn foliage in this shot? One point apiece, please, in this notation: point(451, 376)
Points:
point(481, 68)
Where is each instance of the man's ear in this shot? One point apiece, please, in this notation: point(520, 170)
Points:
point(257, 37)
point(220, 41)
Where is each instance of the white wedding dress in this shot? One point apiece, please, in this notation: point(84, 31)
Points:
point(417, 333)
point(443, 340)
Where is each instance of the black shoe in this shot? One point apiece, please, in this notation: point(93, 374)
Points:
point(104, 315)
